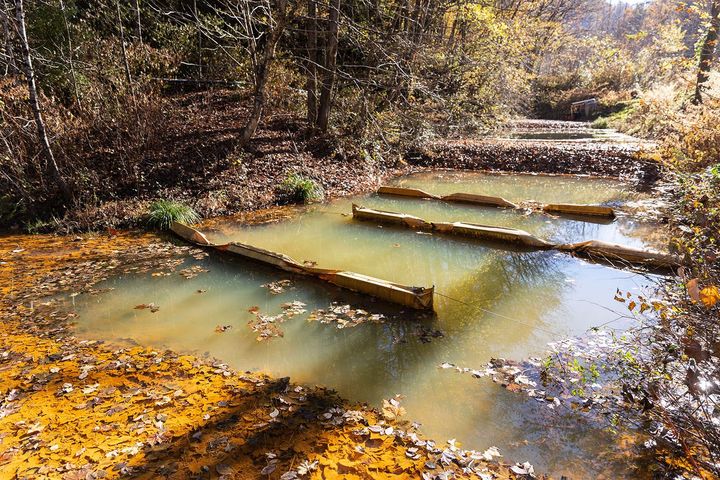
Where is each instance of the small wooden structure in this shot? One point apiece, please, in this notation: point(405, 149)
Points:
point(583, 108)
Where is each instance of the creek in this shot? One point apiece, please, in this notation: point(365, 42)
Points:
point(492, 301)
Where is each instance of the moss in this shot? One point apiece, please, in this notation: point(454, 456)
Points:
point(615, 117)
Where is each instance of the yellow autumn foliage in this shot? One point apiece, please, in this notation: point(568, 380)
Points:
point(709, 296)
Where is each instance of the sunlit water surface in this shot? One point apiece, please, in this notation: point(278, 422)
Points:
point(491, 302)
point(577, 133)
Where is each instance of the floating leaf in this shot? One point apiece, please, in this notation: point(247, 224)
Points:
point(278, 287)
point(147, 306)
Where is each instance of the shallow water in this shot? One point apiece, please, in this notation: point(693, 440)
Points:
point(491, 302)
point(520, 187)
point(554, 135)
point(578, 133)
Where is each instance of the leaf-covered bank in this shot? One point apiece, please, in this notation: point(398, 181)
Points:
point(191, 160)
point(74, 409)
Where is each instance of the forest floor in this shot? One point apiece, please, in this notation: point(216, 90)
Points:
point(192, 159)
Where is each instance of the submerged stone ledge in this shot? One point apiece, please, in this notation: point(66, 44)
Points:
point(615, 254)
point(419, 298)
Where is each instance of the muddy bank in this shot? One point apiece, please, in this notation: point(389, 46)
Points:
point(192, 159)
point(621, 161)
point(257, 185)
point(85, 409)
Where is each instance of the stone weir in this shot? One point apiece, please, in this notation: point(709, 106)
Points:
point(611, 253)
point(419, 298)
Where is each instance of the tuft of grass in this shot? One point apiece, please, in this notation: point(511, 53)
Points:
point(37, 226)
point(302, 189)
point(600, 123)
point(164, 212)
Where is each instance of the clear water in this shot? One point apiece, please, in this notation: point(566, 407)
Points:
point(493, 303)
point(520, 187)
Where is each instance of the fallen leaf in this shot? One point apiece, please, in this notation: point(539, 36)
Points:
point(268, 469)
point(710, 296)
point(693, 290)
point(523, 469)
point(149, 306)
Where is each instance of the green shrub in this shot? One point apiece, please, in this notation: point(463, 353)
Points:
point(164, 212)
point(600, 123)
point(301, 189)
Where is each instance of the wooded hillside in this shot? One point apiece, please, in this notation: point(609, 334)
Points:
point(100, 99)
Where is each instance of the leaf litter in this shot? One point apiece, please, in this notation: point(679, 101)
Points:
point(344, 316)
point(150, 413)
point(279, 286)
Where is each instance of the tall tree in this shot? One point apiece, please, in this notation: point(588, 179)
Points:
point(312, 62)
point(35, 102)
point(276, 26)
point(70, 55)
point(8, 53)
point(126, 64)
point(328, 82)
point(138, 23)
point(707, 53)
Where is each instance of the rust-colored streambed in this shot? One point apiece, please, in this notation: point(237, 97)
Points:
point(491, 302)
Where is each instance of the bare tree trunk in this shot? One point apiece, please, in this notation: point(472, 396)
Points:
point(138, 23)
point(35, 102)
point(199, 39)
point(707, 53)
point(328, 83)
point(414, 20)
point(126, 64)
point(10, 67)
point(451, 37)
point(261, 73)
point(311, 83)
point(70, 56)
